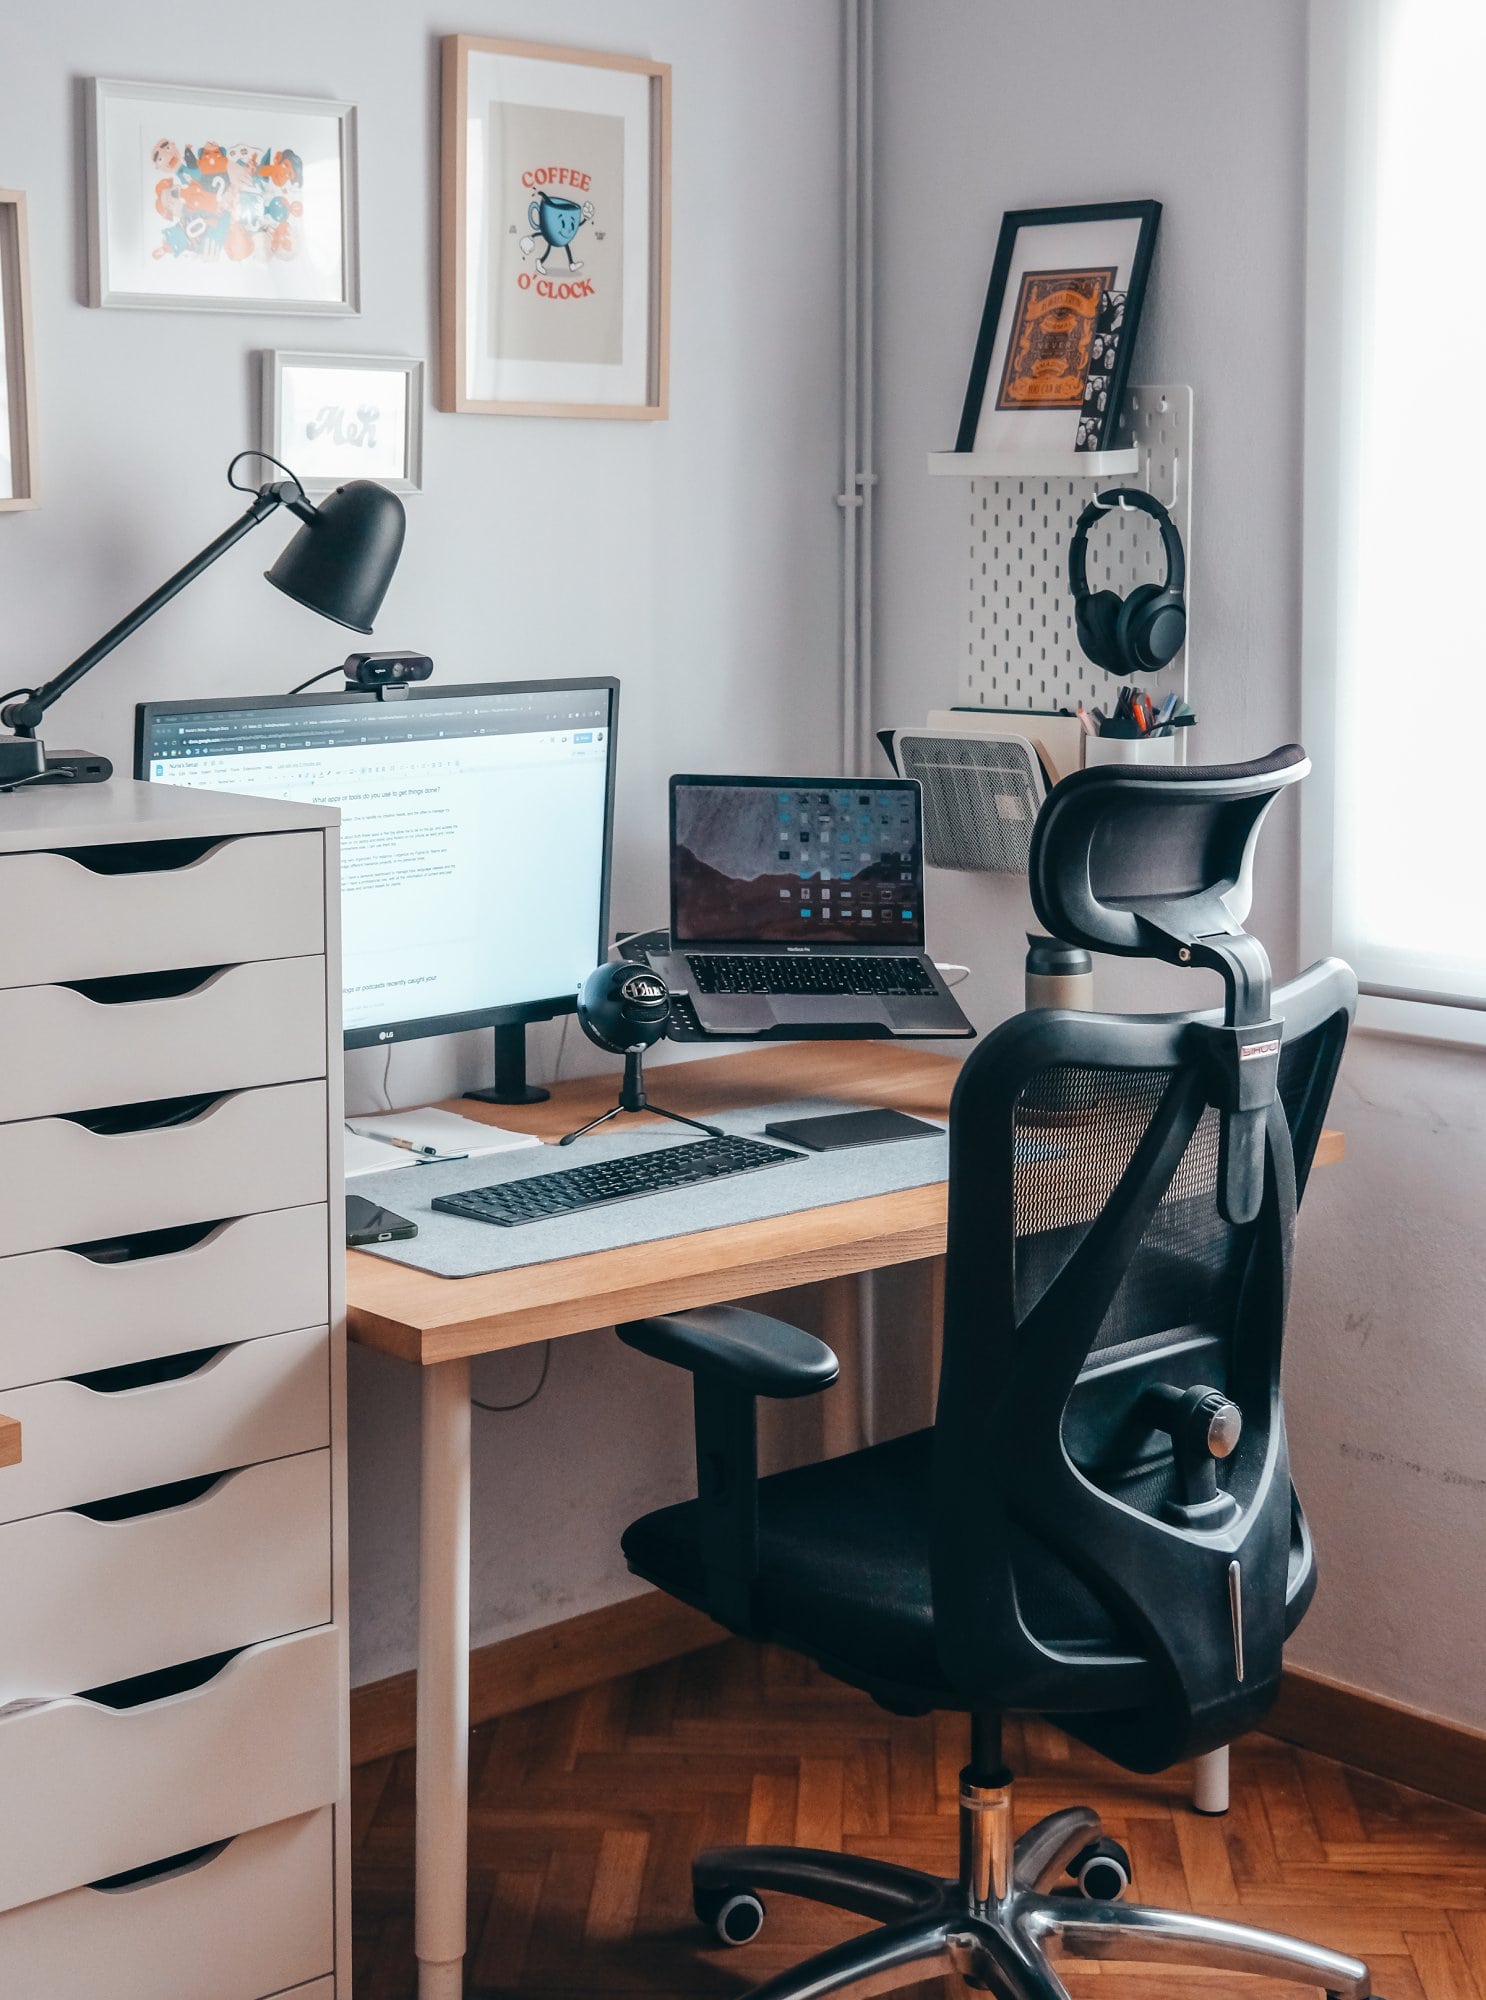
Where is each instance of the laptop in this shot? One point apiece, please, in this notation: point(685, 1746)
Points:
point(797, 909)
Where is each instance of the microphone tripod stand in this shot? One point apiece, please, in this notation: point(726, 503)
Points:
point(632, 1098)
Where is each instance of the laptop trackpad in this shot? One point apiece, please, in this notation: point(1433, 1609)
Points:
point(848, 1009)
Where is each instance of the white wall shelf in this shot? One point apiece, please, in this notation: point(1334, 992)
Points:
point(1035, 464)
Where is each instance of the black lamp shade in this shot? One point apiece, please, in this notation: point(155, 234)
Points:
point(341, 561)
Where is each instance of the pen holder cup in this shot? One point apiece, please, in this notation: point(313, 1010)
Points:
point(1130, 749)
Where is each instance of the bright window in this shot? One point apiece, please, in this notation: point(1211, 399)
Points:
point(1396, 466)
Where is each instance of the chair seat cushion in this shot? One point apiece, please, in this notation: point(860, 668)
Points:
point(844, 1571)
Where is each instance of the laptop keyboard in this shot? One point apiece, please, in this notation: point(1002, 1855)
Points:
point(878, 977)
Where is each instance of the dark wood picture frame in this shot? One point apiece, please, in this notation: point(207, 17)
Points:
point(1147, 214)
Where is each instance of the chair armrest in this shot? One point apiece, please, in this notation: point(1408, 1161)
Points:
point(737, 1349)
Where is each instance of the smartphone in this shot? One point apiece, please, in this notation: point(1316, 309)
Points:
point(366, 1223)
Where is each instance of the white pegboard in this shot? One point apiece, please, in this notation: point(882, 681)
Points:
point(1021, 651)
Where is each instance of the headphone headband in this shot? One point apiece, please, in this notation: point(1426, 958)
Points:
point(1143, 502)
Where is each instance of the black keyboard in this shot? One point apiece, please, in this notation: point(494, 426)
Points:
point(670, 1167)
point(885, 977)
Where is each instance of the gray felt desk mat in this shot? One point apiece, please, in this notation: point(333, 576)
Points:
point(451, 1247)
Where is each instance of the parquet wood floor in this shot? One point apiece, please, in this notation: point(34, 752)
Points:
point(585, 1813)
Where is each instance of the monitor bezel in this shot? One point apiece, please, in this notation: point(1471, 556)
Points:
point(911, 785)
point(517, 1013)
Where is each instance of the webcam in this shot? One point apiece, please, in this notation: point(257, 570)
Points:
point(382, 670)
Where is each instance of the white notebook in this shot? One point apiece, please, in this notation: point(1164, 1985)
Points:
point(445, 1130)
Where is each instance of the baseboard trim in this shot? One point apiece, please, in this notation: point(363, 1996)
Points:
point(1385, 1738)
point(559, 1659)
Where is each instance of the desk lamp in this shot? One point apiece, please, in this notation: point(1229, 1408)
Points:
point(339, 564)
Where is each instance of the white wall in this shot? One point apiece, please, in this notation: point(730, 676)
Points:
point(986, 105)
point(696, 559)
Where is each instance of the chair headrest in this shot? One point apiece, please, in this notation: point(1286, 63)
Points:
point(1158, 862)
point(1148, 860)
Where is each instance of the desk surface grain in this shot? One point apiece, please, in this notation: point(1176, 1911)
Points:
point(426, 1319)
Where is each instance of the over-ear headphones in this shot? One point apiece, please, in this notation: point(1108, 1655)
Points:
point(624, 1007)
point(1145, 631)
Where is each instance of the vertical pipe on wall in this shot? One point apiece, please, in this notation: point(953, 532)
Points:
point(849, 498)
point(866, 472)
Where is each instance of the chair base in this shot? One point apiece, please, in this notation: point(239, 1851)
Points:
point(990, 1928)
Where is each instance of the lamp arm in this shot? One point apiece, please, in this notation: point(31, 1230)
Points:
point(23, 716)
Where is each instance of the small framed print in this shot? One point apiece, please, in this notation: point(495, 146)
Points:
point(1060, 318)
point(334, 417)
point(220, 200)
point(17, 369)
point(555, 231)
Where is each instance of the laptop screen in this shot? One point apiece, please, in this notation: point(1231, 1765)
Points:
point(796, 861)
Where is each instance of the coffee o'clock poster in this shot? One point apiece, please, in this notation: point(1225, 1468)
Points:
point(555, 231)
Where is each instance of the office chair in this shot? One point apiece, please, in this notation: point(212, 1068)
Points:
point(1100, 1525)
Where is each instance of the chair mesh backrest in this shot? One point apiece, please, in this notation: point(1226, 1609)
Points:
point(1186, 1278)
point(1089, 1261)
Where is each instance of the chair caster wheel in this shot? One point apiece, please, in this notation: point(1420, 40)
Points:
point(1101, 1870)
point(737, 1915)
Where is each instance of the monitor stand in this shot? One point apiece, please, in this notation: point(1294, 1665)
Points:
point(511, 1086)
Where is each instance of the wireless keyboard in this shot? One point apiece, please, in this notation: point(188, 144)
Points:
point(889, 977)
point(545, 1195)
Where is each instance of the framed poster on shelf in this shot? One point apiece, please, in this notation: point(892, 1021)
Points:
point(555, 231)
point(220, 200)
point(1059, 324)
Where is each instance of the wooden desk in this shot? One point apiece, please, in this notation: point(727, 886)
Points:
point(441, 1323)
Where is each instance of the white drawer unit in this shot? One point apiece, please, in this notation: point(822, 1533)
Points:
point(131, 1298)
point(237, 900)
point(231, 1921)
point(118, 1041)
point(173, 1682)
point(92, 1789)
point(190, 1162)
point(90, 1438)
point(254, 1543)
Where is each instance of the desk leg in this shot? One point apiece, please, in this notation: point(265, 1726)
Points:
point(443, 1682)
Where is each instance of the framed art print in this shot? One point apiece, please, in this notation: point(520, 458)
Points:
point(555, 231)
point(334, 417)
point(1061, 313)
point(17, 371)
point(220, 200)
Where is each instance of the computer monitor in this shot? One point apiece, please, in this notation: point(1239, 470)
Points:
point(476, 831)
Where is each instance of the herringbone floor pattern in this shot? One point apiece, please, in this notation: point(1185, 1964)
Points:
point(585, 1813)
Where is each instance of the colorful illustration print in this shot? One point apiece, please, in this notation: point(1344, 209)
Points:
point(237, 202)
point(1052, 331)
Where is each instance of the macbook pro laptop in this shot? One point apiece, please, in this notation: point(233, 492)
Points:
point(797, 908)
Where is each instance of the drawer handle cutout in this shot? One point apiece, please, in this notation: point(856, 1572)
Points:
point(153, 1116)
point(146, 1374)
point(127, 989)
point(144, 1244)
point(151, 1499)
point(161, 1683)
point(161, 1871)
point(140, 857)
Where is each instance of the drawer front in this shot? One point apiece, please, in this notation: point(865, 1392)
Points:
point(261, 896)
point(252, 1918)
point(243, 1025)
point(259, 1400)
point(91, 1791)
point(88, 1601)
point(62, 1313)
point(252, 1150)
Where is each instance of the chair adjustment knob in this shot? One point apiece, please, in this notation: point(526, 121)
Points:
point(1204, 1425)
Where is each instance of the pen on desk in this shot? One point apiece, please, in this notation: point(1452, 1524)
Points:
point(411, 1146)
point(1085, 720)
